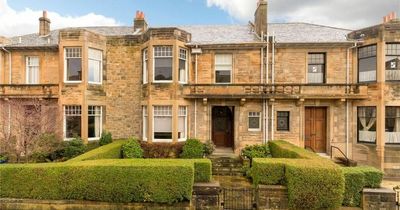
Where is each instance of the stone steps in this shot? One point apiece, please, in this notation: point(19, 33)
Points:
point(226, 165)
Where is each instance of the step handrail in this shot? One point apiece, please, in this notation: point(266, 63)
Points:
point(347, 159)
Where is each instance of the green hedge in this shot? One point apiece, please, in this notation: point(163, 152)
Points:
point(356, 178)
point(202, 170)
point(313, 182)
point(109, 151)
point(100, 180)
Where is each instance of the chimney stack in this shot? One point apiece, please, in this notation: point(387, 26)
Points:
point(391, 16)
point(261, 17)
point(44, 25)
point(139, 23)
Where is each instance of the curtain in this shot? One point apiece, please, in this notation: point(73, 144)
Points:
point(162, 124)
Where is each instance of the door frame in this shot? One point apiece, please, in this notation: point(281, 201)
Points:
point(327, 122)
point(232, 136)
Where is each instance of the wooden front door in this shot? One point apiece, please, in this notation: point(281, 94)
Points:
point(315, 128)
point(222, 126)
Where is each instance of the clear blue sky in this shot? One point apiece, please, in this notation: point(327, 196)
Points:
point(158, 12)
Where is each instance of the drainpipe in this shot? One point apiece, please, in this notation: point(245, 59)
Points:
point(195, 100)
point(9, 64)
point(266, 120)
point(347, 101)
point(273, 82)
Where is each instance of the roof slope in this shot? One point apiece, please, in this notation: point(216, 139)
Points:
point(211, 34)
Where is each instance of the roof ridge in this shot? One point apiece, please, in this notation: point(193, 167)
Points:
point(314, 24)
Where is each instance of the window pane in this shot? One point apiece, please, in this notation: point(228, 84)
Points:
point(182, 70)
point(145, 122)
point(73, 126)
point(392, 125)
point(254, 122)
point(94, 121)
point(366, 124)
point(316, 68)
point(367, 64)
point(223, 76)
point(32, 70)
point(163, 69)
point(74, 69)
point(162, 122)
point(145, 63)
point(283, 121)
point(392, 64)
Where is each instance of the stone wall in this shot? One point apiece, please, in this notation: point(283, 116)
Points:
point(272, 197)
point(383, 199)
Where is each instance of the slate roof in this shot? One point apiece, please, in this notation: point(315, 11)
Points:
point(212, 34)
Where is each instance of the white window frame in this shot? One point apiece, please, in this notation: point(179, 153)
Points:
point(254, 115)
point(182, 112)
point(183, 55)
point(28, 70)
point(77, 111)
point(95, 115)
point(145, 59)
point(145, 122)
point(217, 65)
point(65, 64)
point(100, 60)
point(164, 115)
point(163, 56)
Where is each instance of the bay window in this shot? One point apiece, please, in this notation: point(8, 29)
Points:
point(223, 68)
point(162, 123)
point(366, 124)
point(95, 66)
point(94, 122)
point(392, 125)
point(316, 68)
point(163, 59)
point(182, 65)
point(73, 64)
point(392, 62)
point(182, 123)
point(367, 64)
point(32, 70)
point(72, 121)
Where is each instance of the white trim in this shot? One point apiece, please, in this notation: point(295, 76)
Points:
point(145, 60)
point(186, 66)
point(145, 125)
point(162, 140)
point(172, 64)
point(259, 122)
point(186, 124)
point(65, 67)
point(101, 121)
point(28, 72)
point(101, 66)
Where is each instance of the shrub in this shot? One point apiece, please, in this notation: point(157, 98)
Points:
point(109, 151)
point(313, 182)
point(161, 150)
point(256, 151)
point(202, 170)
point(209, 147)
point(356, 178)
point(73, 148)
point(91, 145)
point(268, 171)
point(105, 138)
point(132, 149)
point(45, 146)
point(125, 181)
point(193, 148)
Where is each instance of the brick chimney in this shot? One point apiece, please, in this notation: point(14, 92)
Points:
point(44, 25)
point(261, 17)
point(139, 22)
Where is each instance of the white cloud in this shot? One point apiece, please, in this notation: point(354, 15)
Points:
point(340, 13)
point(27, 21)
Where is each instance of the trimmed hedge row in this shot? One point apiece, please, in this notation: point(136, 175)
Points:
point(356, 178)
point(313, 182)
point(202, 167)
point(109, 151)
point(100, 180)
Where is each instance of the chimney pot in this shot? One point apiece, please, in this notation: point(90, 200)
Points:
point(139, 22)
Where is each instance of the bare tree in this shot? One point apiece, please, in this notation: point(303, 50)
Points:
point(22, 124)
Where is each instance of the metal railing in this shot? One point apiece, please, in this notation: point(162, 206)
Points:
point(278, 90)
point(347, 159)
point(238, 199)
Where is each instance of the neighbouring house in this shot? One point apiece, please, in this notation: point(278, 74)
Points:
point(315, 86)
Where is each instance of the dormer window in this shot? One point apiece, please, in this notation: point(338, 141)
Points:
point(163, 57)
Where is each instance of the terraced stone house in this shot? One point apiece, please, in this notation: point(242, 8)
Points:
point(316, 86)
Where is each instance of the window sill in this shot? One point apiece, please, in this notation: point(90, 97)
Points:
point(367, 143)
point(182, 140)
point(72, 83)
point(254, 130)
point(94, 139)
point(162, 82)
point(95, 83)
point(162, 140)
